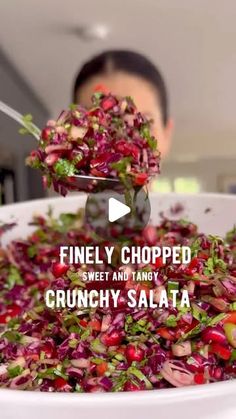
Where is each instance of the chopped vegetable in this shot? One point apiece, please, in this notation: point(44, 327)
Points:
point(109, 140)
point(122, 348)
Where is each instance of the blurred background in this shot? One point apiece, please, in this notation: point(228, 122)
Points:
point(44, 43)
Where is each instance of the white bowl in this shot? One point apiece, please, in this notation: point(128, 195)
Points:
point(214, 214)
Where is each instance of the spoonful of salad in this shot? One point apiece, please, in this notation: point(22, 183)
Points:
point(110, 143)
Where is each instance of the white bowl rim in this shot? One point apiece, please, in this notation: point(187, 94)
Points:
point(161, 396)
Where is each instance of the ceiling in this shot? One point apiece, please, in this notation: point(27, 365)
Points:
point(193, 42)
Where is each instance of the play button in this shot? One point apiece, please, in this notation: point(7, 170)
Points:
point(111, 214)
point(116, 210)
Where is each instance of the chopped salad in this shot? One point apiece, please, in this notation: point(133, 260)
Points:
point(109, 140)
point(116, 349)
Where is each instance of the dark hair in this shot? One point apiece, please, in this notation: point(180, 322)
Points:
point(129, 62)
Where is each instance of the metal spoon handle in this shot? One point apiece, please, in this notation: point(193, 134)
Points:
point(7, 110)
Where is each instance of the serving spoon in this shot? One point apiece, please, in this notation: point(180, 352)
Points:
point(79, 182)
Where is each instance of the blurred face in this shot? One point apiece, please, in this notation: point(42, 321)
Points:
point(144, 96)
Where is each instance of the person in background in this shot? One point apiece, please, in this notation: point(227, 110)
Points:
point(128, 73)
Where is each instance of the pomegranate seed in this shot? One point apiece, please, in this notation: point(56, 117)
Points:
point(35, 238)
point(129, 386)
point(49, 350)
point(197, 363)
point(46, 133)
point(216, 373)
point(13, 310)
point(133, 353)
point(83, 323)
point(213, 334)
point(121, 302)
point(112, 339)
point(29, 278)
point(108, 103)
point(141, 179)
point(43, 284)
point(60, 383)
point(199, 378)
point(59, 269)
point(231, 369)
point(127, 149)
point(4, 318)
point(150, 234)
point(159, 263)
point(221, 351)
point(195, 266)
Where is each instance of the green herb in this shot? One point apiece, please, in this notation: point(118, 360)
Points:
point(137, 373)
point(64, 168)
point(233, 356)
point(42, 235)
point(121, 165)
point(118, 122)
point(13, 278)
point(195, 247)
point(97, 361)
point(145, 133)
point(171, 321)
point(73, 343)
point(231, 235)
point(32, 251)
point(119, 357)
point(15, 321)
point(75, 329)
point(77, 159)
point(213, 263)
point(199, 314)
point(48, 373)
point(67, 219)
point(12, 336)
point(212, 321)
point(78, 388)
point(136, 327)
point(172, 286)
point(183, 223)
point(120, 383)
point(97, 97)
point(130, 100)
point(73, 106)
point(65, 222)
point(75, 278)
point(14, 371)
point(59, 373)
point(91, 142)
point(85, 334)
point(29, 127)
point(191, 361)
point(98, 347)
point(194, 332)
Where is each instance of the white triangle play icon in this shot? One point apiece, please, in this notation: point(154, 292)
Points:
point(116, 209)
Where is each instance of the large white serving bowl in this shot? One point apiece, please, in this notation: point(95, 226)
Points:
point(214, 214)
